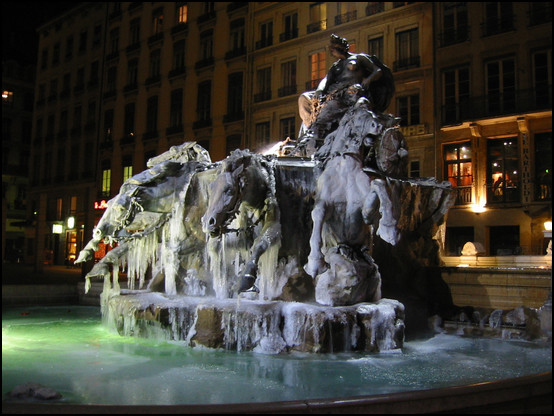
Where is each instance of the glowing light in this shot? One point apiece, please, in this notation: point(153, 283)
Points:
point(100, 205)
point(57, 228)
point(71, 222)
point(548, 225)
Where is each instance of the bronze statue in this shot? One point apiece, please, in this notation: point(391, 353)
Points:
point(320, 110)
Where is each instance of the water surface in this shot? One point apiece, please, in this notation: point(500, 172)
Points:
point(68, 349)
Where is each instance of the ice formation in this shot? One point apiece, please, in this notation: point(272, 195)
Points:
point(273, 253)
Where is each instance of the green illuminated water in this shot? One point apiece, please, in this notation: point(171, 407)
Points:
point(68, 349)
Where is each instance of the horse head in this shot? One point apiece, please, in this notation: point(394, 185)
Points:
point(226, 194)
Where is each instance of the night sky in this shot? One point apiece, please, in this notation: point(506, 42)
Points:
point(20, 19)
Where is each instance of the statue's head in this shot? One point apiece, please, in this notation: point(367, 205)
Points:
point(340, 44)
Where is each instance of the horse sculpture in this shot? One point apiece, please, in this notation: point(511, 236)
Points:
point(143, 205)
point(350, 196)
point(243, 195)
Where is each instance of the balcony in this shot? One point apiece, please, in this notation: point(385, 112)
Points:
point(265, 42)
point(346, 17)
point(231, 117)
point(235, 53)
point(453, 36)
point(262, 96)
point(206, 17)
point(288, 35)
point(179, 28)
point(200, 124)
point(406, 63)
point(286, 90)
point(155, 39)
point(494, 105)
point(316, 26)
point(204, 63)
point(374, 8)
point(495, 26)
point(174, 129)
point(463, 194)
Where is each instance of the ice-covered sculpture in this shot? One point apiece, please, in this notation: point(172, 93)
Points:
point(277, 253)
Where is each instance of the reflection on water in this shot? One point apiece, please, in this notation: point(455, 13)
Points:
point(68, 349)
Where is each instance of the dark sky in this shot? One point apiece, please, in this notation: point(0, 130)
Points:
point(20, 19)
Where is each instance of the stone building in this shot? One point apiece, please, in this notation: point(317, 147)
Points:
point(119, 82)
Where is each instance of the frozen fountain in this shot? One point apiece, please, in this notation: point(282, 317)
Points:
point(325, 246)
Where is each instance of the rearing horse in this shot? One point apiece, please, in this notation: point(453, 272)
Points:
point(347, 197)
point(244, 189)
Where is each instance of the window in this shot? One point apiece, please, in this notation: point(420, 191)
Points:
point(500, 86)
point(287, 128)
point(262, 134)
point(204, 102)
point(7, 97)
point(56, 54)
point(157, 21)
point(542, 76)
point(96, 36)
point(374, 7)
point(318, 17)
point(263, 83)
point(108, 125)
point(236, 35)
point(176, 108)
point(290, 26)
point(454, 23)
point(77, 117)
point(504, 240)
point(408, 109)
point(60, 164)
point(499, 17)
point(182, 13)
point(543, 166)
point(288, 78)
point(127, 163)
point(106, 179)
point(152, 115)
point(375, 46)
point(114, 41)
point(456, 237)
point(502, 170)
point(129, 122)
point(93, 76)
point(234, 96)
point(318, 69)
point(455, 95)
point(132, 73)
point(266, 35)
point(134, 32)
point(232, 142)
point(83, 41)
point(407, 50)
point(111, 79)
point(346, 12)
point(206, 44)
point(179, 55)
point(458, 170)
point(154, 67)
point(414, 168)
point(69, 48)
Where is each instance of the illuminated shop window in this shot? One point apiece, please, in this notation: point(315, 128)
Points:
point(502, 170)
point(459, 170)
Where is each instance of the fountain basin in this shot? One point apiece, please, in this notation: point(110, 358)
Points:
point(69, 350)
point(262, 326)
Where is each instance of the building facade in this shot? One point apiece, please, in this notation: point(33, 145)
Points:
point(17, 112)
point(120, 82)
point(493, 75)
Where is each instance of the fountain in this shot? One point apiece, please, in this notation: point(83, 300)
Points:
point(315, 249)
point(325, 247)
